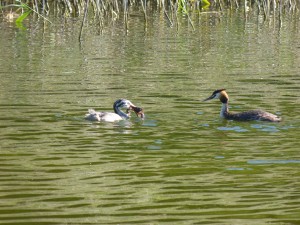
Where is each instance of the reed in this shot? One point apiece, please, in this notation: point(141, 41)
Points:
point(114, 9)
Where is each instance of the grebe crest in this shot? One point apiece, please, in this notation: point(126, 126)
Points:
point(243, 116)
point(118, 113)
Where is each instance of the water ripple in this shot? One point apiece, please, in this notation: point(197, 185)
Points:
point(269, 161)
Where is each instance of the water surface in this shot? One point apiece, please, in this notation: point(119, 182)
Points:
point(182, 164)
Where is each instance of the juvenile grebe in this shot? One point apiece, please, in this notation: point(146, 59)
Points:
point(243, 116)
point(118, 113)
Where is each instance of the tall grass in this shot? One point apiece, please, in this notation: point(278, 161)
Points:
point(119, 7)
point(115, 9)
point(76, 7)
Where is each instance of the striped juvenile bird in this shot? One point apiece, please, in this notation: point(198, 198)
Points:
point(118, 113)
point(243, 116)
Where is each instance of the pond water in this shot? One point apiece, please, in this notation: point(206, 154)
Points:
point(182, 164)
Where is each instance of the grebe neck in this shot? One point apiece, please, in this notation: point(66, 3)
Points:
point(118, 111)
point(224, 110)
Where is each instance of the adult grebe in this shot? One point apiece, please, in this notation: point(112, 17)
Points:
point(118, 115)
point(243, 116)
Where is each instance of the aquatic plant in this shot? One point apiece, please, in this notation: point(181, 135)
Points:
point(114, 9)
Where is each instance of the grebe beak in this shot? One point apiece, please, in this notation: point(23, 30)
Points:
point(211, 97)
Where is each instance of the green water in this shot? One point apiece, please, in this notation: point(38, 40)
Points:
point(182, 164)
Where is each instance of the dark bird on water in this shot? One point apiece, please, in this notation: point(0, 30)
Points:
point(243, 116)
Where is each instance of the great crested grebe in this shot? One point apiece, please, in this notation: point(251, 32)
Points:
point(118, 113)
point(243, 116)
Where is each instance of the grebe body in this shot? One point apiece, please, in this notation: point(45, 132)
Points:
point(243, 116)
point(103, 116)
point(118, 113)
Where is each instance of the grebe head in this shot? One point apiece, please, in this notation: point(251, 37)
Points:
point(126, 104)
point(220, 94)
point(123, 103)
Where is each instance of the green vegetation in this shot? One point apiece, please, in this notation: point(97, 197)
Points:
point(102, 10)
point(117, 7)
point(19, 11)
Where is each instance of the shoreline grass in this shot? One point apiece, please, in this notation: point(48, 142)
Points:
point(102, 10)
point(116, 8)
